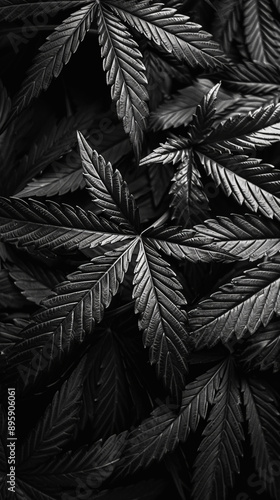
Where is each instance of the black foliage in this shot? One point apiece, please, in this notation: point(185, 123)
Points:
point(140, 249)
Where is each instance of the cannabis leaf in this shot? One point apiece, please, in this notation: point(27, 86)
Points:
point(180, 108)
point(66, 174)
point(91, 288)
point(139, 249)
point(54, 53)
point(263, 423)
point(165, 428)
point(223, 151)
point(244, 304)
point(125, 71)
point(49, 438)
point(46, 438)
point(261, 351)
point(220, 449)
point(259, 28)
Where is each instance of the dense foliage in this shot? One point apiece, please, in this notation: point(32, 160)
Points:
point(140, 248)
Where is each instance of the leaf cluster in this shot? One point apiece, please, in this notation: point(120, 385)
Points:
point(140, 249)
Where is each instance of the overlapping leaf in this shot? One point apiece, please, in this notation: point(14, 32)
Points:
point(248, 181)
point(253, 24)
point(223, 153)
point(56, 141)
point(255, 130)
point(10, 334)
point(262, 414)
point(249, 237)
point(160, 433)
point(72, 313)
point(246, 237)
point(66, 174)
point(261, 31)
point(180, 108)
point(9, 294)
point(35, 282)
point(46, 439)
point(241, 306)
point(160, 74)
point(125, 74)
point(174, 32)
point(189, 202)
point(219, 453)
point(125, 71)
point(89, 466)
point(80, 302)
point(43, 447)
point(54, 53)
point(226, 24)
point(262, 350)
point(106, 391)
point(254, 78)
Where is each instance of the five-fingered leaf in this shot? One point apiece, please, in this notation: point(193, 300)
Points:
point(131, 258)
point(78, 303)
point(223, 151)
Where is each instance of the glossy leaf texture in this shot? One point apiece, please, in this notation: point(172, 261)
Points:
point(122, 62)
point(244, 304)
point(125, 73)
point(226, 153)
point(139, 249)
point(259, 27)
